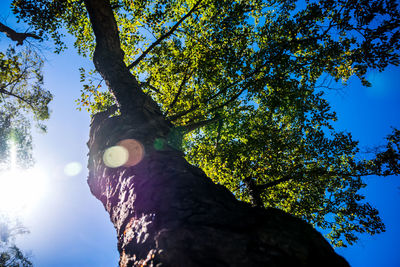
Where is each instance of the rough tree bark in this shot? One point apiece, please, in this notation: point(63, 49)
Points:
point(167, 212)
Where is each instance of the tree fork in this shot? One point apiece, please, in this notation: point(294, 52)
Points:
point(167, 212)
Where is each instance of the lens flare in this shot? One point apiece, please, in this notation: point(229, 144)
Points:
point(73, 168)
point(115, 156)
point(135, 151)
point(127, 153)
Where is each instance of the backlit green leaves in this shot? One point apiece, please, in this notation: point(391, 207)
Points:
point(21, 83)
point(249, 72)
point(22, 98)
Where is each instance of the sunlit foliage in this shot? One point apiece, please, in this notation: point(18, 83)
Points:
point(21, 84)
point(245, 79)
point(22, 99)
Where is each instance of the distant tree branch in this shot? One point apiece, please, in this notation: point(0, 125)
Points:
point(12, 84)
point(182, 84)
point(254, 192)
point(233, 98)
point(199, 124)
point(164, 36)
point(17, 36)
point(276, 182)
point(223, 90)
point(5, 92)
point(151, 87)
point(388, 157)
point(14, 81)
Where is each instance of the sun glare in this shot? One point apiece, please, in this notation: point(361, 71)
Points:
point(20, 189)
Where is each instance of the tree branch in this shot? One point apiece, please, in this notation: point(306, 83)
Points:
point(321, 171)
point(151, 87)
point(223, 90)
point(276, 182)
point(164, 36)
point(254, 192)
point(183, 82)
point(199, 124)
point(2, 91)
point(18, 37)
point(108, 59)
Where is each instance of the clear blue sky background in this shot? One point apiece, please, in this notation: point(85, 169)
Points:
point(69, 227)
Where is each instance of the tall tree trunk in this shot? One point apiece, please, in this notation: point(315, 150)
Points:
point(167, 212)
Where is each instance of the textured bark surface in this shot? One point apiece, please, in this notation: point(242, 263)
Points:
point(167, 212)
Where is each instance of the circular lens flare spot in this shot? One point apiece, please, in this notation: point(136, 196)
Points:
point(135, 151)
point(72, 168)
point(115, 156)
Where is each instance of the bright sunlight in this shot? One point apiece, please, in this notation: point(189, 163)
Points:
point(20, 189)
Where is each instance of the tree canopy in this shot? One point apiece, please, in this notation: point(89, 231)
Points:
point(10, 254)
point(23, 99)
point(243, 83)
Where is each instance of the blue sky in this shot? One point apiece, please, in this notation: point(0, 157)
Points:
point(69, 227)
point(369, 113)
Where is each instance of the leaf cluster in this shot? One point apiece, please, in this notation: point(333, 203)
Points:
point(245, 75)
point(21, 83)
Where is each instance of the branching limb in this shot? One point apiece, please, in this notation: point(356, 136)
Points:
point(199, 124)
point(5, 92)
point(18, 37)
point(151, 87)
point(279, 181)
point(181, 86)
point(222, 91)
point(164, 36)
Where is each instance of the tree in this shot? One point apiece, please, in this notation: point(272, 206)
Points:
point(237, 86)
point(14, 130)
point(22, 99)
point(10, 254)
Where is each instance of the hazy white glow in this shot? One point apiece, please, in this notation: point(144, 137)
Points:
point(72, 168)
point(13, 156)
point(20, 190)
point(115, 156)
